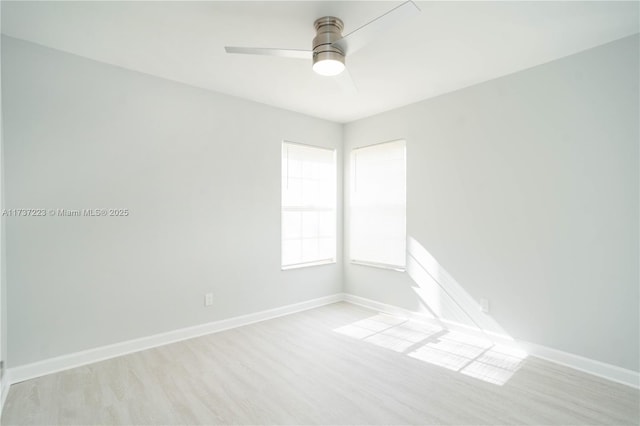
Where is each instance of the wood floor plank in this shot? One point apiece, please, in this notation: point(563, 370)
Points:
point(339, 364)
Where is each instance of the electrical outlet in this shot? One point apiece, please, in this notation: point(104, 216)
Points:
point(208, 299)
point(484, 305)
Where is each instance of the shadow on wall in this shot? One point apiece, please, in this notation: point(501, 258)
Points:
point(456, 334)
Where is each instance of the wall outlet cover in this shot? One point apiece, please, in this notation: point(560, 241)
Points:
point(208, 299)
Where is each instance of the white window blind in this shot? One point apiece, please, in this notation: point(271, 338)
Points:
point(378, 205)
point(308, 205)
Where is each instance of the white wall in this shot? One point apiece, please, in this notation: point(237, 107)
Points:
point(200, 174)
point(3, 281)
point(523, 190)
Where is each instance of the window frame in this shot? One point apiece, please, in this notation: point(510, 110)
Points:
point(352, 186)
point(333, 209)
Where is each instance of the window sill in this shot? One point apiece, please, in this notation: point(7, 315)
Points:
point(306, 265)
point(379, 265)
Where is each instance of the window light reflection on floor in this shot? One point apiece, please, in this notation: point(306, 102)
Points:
point(467, 354)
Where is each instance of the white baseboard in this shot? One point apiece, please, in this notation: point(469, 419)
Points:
point(65, 362)
point(587, 365)
point(77, 359)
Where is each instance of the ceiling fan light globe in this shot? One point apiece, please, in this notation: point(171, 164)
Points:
point(328, 67)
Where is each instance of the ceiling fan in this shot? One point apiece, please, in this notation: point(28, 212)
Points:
point(329, 46)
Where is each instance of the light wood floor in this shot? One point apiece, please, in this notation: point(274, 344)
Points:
point(339, 364)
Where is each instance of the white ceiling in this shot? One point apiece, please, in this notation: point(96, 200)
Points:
point(448, 46)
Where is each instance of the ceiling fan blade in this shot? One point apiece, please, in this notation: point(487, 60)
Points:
point(344, 80)
point(366, 33)
point(283, 53)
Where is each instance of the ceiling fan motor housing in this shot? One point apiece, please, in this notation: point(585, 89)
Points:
point(328, 31)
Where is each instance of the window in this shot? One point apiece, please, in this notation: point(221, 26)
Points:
point(378, 205)
point(308, 205)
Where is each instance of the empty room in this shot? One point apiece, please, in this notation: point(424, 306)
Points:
point(314, 212)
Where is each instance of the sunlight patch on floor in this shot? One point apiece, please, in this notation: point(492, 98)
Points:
point(496, 366)
point(471, 355)
point(369, 326)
